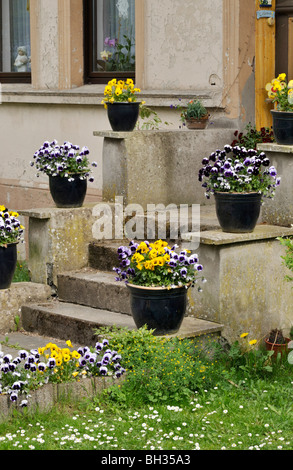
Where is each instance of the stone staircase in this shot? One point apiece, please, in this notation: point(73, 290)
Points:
point(89, 298)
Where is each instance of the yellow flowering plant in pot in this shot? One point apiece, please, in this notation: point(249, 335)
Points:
point(121, 104)
point(157, 278)
point(280, 92)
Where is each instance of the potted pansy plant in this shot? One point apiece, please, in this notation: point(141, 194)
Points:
point(121, 104)
point(280, 92)
point(238, 178)
point(68, 169)
point(157, 277)
point(11, 233)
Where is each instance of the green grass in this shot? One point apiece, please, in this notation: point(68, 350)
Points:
point(252, 417)
point(22, 273)
point(175, 396)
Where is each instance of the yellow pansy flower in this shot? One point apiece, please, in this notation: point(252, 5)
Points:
point(282, 77)
point(75, 355)
point(143, 247)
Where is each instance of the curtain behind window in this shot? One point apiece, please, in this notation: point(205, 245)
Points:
point(15, 39)
point(114, 33)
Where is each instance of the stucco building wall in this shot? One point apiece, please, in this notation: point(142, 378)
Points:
point(184, 49)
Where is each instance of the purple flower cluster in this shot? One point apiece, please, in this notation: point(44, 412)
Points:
point(156, 264)
point(62, 160)
point(11, 230)
point(99, 361)
point(237, 169)
point(13, 379)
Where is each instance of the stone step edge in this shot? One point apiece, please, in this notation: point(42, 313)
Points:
point(94, 288)
point(191, 327)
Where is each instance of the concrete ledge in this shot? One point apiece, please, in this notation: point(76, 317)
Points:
point(44, 398)
point(12, 299)
point(246, 290)
point(261, 232)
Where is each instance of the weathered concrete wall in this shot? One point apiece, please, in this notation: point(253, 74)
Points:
point(159, 167)
point(24, 128)
point(179, 38)
point(58, 241)
point(12, 299)
point(280, 210)
point(246, 288)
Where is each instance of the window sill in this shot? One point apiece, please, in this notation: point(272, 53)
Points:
point(92, 95)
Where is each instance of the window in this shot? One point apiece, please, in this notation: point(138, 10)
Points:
point(109, 40)
point(15, 41)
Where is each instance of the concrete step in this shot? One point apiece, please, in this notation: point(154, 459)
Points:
point(102, 255)
point(92, 288)
point(66, 321)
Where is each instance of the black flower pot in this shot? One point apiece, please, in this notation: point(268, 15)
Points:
point(8, 259)
point(283, 127)
point(66, 192)
point(123, 116)
point(238, 212)
point(160, 309)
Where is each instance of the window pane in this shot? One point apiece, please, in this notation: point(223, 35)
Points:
point(15, 36)
point(113, 35)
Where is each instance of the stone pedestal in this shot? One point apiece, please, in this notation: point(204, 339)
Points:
point(279, 211)
point(157, 167)
point(245, 289)
point(58, 241)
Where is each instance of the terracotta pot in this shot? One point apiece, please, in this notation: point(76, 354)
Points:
point(277, 348)
point(197, 123)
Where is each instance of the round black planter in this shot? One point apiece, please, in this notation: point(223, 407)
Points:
point(238, 212)
point(283, 127)
point(160, 309)
point(67, 193)
point(8, 259)
point(123, 116)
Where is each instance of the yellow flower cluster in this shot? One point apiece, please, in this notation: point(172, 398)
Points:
point(280, 92)
point(11, 213)
point(59, 354)
point(123, 91)
point(155, 255)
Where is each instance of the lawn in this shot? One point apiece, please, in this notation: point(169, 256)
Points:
point(176, 396)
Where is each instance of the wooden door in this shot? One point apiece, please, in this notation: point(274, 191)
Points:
point(284, 37)
point(264, 61)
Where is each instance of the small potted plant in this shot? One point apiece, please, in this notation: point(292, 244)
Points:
point(281, 94)
point(11, 233)
point(68, 169)
point(277, 342)
point(121, 104)
point(238, 178)
point(194, 115)
point(158, 278)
